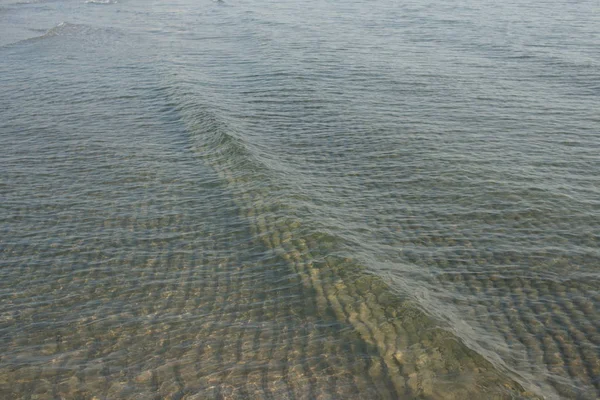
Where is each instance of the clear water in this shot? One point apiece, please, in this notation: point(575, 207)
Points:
point(318, 199)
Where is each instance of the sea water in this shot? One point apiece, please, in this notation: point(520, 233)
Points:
point(299, 200)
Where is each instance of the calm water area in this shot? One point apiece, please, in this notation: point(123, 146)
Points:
point(324, 199)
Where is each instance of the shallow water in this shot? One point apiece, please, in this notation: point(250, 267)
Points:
point(278, 200)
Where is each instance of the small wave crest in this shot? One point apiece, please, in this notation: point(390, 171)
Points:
point(67, 29)
point(101, 2)
point(213, 136)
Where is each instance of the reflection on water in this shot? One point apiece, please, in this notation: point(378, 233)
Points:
point(330, 201)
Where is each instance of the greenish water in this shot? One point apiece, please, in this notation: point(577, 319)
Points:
point(322, 200)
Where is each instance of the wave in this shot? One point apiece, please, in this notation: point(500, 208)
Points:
point(421, 356)
point(216, 140)
point(101, 2)
point(71, 30)
point(66, 28)
point(28, 2)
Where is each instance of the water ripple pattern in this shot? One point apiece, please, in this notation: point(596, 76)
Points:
point(283, 200)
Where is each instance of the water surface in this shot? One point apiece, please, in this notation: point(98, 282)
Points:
point(276, 200)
